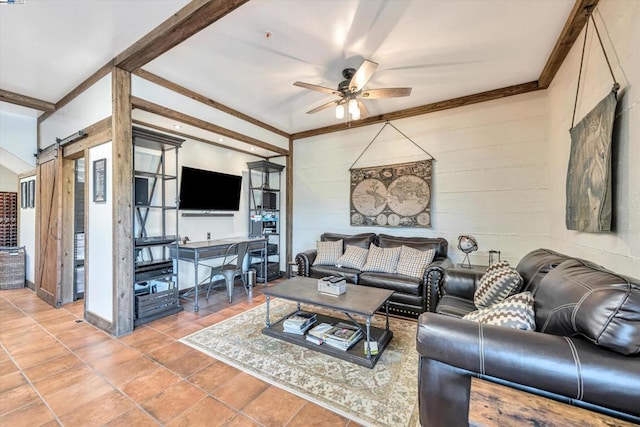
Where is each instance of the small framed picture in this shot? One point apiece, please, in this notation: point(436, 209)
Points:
point(100, 180)
point(23, 194)
point(32, 194)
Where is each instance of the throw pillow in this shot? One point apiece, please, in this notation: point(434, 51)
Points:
point(514, 312)
point(353, 257)
point(413, 262)
point(328, 252)
point(382, 260)
point(496, 284)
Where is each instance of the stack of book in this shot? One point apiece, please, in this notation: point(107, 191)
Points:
point(319, 332)
point(343, 336)
point(299, 322)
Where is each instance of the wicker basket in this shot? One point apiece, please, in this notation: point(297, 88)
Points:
point(12, 267)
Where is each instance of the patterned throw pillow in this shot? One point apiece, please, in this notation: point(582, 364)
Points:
point(353, 257)
point(514, 312)
point(496, 284)
point(413, 262)
point(382, 260)
point(328, 252)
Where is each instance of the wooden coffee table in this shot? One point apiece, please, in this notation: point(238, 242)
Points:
point(358, 300)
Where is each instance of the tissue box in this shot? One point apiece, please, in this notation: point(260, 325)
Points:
point(326, 287)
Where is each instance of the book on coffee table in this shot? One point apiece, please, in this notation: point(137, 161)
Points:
point(299, 322)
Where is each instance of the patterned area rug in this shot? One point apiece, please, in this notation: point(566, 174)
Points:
point(386, 395)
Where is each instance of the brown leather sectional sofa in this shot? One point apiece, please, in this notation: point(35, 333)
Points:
point(585, 350)
point(411, 296)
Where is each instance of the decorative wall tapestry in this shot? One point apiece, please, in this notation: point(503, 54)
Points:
point(589, 174)
point(589, 190)
point(392, 196)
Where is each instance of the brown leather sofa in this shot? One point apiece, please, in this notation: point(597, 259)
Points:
point(411, 296)
point(585, 350)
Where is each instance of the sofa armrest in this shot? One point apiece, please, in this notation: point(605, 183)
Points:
point(433, 276)
point(460, 282)
point(572, 368)
point(304, 260)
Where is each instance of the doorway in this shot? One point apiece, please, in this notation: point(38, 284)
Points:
point(78, 229)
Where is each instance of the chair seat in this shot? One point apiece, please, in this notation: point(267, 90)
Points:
point(230, 270)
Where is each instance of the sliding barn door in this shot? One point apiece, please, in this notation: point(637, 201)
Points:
point(49, 229)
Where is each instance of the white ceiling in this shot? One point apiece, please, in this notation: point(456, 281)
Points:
point(441, 48)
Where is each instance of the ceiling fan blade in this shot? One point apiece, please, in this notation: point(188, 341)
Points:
point(390, 92)
point(317, 88)
point(364, 112)
point(324, 106)
point(362, 76)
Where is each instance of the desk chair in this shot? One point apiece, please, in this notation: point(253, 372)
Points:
point(230, 268)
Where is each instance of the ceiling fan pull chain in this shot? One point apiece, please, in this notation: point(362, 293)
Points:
point(379, 132)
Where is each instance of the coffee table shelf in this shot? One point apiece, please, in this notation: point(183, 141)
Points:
point(355, 354)
point(357, 300)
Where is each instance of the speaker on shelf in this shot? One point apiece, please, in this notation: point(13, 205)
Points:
point(142, 191)
point(269, 200)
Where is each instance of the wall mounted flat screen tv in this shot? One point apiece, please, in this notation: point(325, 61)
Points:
point(207, 190)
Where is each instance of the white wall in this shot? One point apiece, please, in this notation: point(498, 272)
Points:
point(619, 24)
point(92, 105)
point(489, 177)
point(208, 157)
point(501, 165)
point(27, 235)
point(18, 135)
point(99, 245)
point(8, 180)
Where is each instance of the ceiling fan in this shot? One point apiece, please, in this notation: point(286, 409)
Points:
point(351, 91)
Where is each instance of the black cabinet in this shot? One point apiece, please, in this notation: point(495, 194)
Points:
point(264, 215)
point(155, 225)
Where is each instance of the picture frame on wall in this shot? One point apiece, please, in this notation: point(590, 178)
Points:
point(100, 181)
point(31, 193)
point(23, 194)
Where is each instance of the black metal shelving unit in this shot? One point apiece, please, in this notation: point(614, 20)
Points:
point(155, 232)
point(264, 216)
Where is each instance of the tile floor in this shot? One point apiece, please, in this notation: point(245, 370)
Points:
point(56, 369)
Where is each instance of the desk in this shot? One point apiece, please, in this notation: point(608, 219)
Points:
point(196, 251)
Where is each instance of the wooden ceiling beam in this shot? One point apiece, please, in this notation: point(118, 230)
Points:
point(572, 28)
point(195, 138)
point(424, 109)
point(26, 101)
point(202, 124)
point(194, 17)
point(207, 101)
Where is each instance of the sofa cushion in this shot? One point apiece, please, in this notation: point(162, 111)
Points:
point(499, 282)
point(514, 312)
point(579, 297)
point(536, 264)
point(455, 306)
point(383, 260)
point(392, 281)
point(438, 244)
point(319, 271)
point(328, 252)
point(413, 262)
point(362, 240)
point(353, 257)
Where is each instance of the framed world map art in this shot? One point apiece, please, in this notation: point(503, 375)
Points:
point(392, 196)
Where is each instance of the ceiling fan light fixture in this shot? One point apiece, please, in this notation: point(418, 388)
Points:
point(353, 106)
point(356, 114)
point(340, 111)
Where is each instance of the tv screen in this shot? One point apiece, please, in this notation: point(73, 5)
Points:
point(207, 190)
